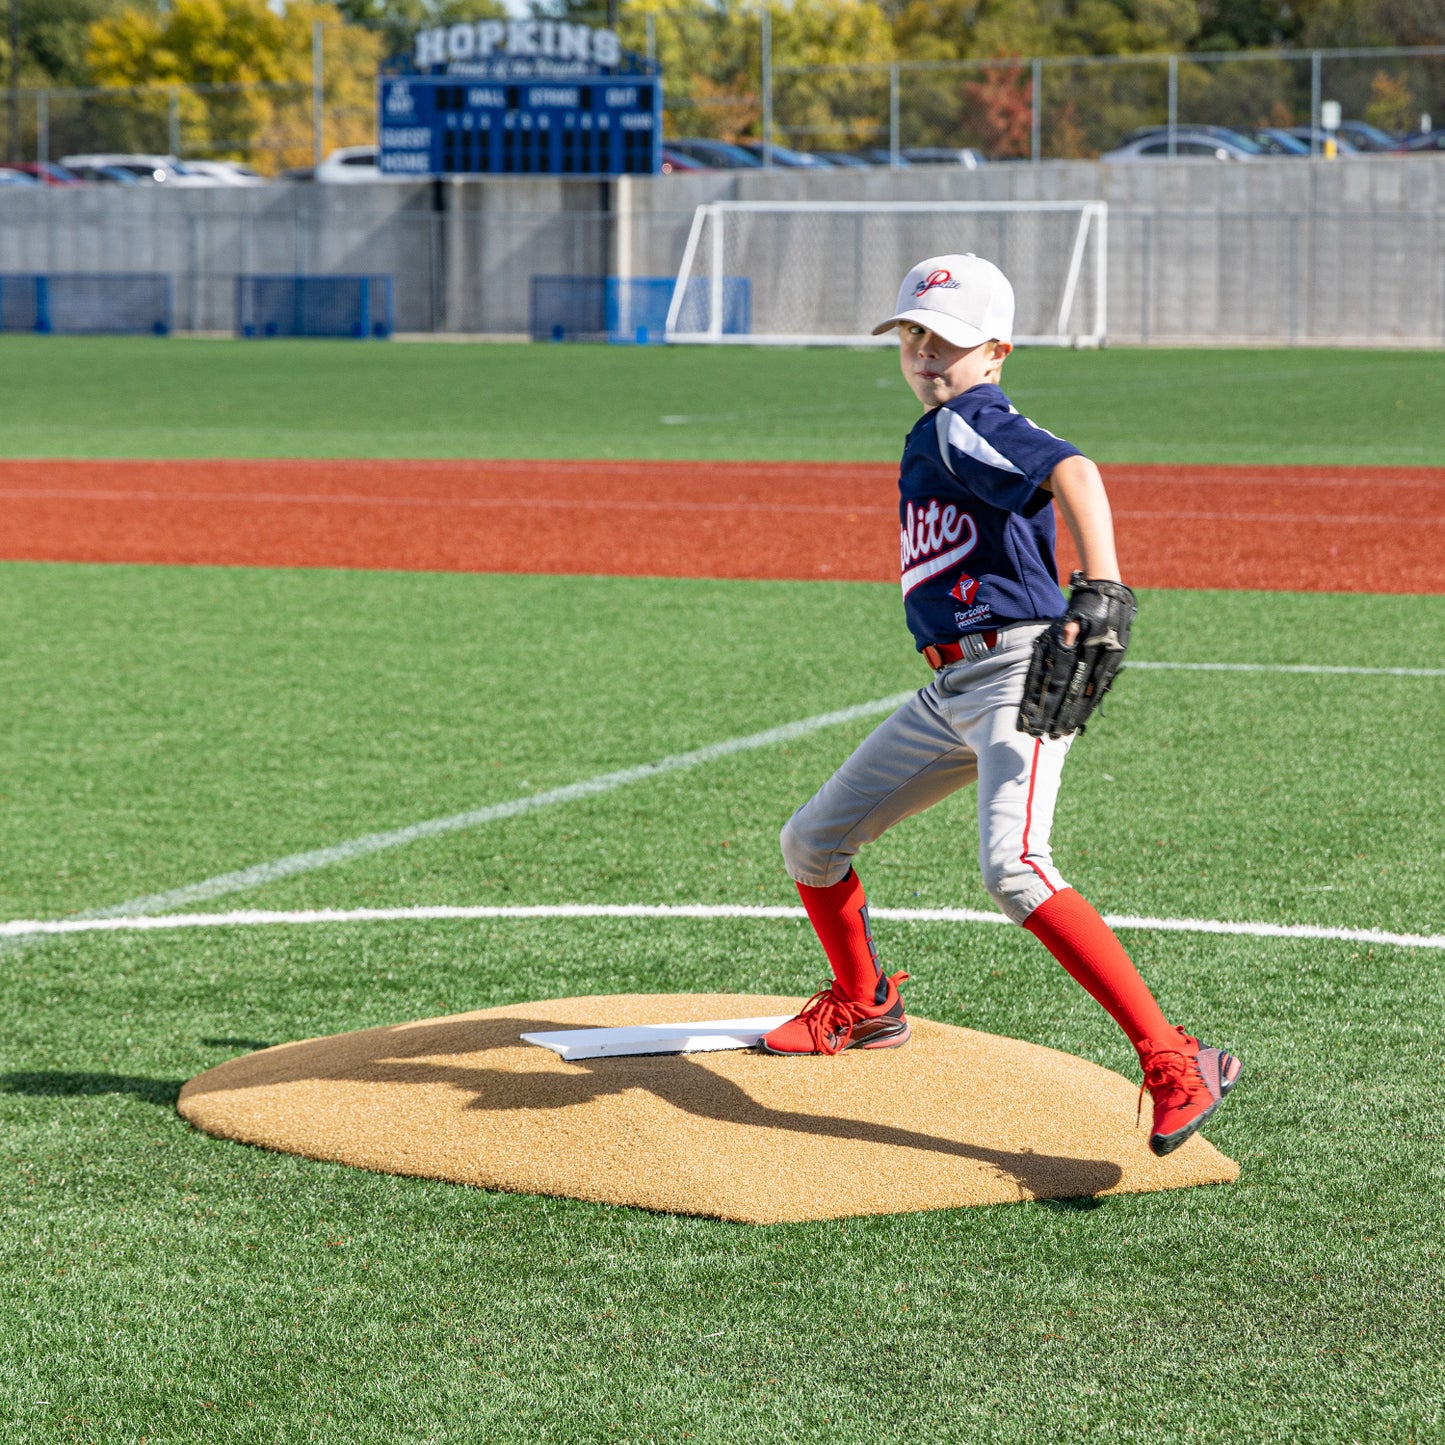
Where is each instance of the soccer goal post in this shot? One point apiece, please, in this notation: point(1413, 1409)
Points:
point(824, 273)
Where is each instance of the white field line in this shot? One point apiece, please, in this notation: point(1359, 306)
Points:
point(242, 918)
point(1303, 667)
point(262, 873)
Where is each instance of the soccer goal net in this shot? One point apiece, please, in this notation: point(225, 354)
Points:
point(821, 273)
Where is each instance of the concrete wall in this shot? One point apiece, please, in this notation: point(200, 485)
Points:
point(1348, 251)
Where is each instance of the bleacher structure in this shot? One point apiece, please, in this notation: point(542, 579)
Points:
point(359, 307)
point(135, 303)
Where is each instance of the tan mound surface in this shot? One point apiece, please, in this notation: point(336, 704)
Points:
point(952, 1118)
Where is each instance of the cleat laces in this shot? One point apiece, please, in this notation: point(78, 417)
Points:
point(830, 1017)
point(1167, 1075)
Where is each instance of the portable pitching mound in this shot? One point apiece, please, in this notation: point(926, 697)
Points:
point(953, 1118)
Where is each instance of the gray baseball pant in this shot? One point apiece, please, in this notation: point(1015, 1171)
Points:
point(959, 729)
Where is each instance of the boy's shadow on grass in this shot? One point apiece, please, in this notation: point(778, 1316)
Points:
point(417, 1054)
point(58, 1084)
point(53, 1084)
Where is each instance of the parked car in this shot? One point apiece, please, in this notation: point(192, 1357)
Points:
point(148, 169)
point(47, 173)
point(16, 178)
point(349, 165)
point(226, 173)
point(719, 154)
point(104, 175)
point(1276, 142)
point(1220, 132)
point(1366, 137)
point(963, 156)
point(847, 160)
point(882, 156)
point(1189, 142)
point(674, 162)
point(1430, 140)
point(1320, 136)
point(787, 157)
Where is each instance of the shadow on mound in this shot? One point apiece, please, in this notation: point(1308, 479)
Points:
point(419, 1054)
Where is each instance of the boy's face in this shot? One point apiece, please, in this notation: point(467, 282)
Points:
point(937, 370)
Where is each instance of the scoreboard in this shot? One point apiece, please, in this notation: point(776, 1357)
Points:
point(581, 125)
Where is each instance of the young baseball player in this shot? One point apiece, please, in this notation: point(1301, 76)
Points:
point(1016, 672)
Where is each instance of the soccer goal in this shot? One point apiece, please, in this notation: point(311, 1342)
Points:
point(824, 273)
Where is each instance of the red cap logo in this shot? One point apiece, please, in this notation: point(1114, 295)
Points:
point(936, 278)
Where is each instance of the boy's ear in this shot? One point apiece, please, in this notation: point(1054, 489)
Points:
point(1001, 349)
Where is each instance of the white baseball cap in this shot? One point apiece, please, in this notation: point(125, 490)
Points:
point(964, 299)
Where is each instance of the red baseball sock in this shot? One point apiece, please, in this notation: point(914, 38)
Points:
point(1070, 928)
point(839, 916)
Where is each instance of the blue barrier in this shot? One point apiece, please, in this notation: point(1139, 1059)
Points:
point(628, 310)
point(133, 303)
point(293, 305)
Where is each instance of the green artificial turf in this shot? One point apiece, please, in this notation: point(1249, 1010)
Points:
point(159, 1285)
point(144, 397)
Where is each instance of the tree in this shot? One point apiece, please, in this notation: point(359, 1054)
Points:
point(244, 44)
point(1002, 108)
point(1372, 22)
point(397, 21)
point(830, 108)
point(711, 60)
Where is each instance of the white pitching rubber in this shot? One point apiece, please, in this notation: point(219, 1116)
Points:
point(693, 1038)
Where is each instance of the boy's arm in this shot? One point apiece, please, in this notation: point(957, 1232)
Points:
point(1077, 657)
point(1084, 505)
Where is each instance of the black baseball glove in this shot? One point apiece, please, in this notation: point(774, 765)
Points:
point(1066, 684)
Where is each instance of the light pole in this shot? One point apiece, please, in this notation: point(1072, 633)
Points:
point(13, 129)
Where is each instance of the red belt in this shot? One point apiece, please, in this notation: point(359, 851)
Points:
point(972, 645)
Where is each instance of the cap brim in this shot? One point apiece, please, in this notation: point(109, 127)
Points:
point(950, 328)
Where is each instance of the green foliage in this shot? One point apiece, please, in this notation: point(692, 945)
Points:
point(397, 21)
point(53, 39)
point(710, 55)
point(1372, 22)
point(242, 43)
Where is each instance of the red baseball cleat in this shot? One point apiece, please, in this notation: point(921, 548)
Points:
point(830, 1023)
point(1188, 1083)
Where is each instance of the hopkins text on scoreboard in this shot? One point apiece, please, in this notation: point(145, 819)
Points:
point(520, 98)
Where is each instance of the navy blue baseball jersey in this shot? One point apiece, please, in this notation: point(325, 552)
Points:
point(976, 531)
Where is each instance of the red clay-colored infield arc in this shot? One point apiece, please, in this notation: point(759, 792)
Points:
point(1343, 529)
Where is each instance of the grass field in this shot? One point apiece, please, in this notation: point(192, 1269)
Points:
point(170, 725)
point(144, 397)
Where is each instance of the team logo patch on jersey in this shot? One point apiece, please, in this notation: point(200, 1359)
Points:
point(932, 540)
point(940, 279)
point(965, 589)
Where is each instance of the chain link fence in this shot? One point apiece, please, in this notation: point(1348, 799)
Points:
point(1041, 108)
point(271, 126)
point(1057, 108)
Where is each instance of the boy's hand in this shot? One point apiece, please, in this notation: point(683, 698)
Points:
point(1076, 660)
